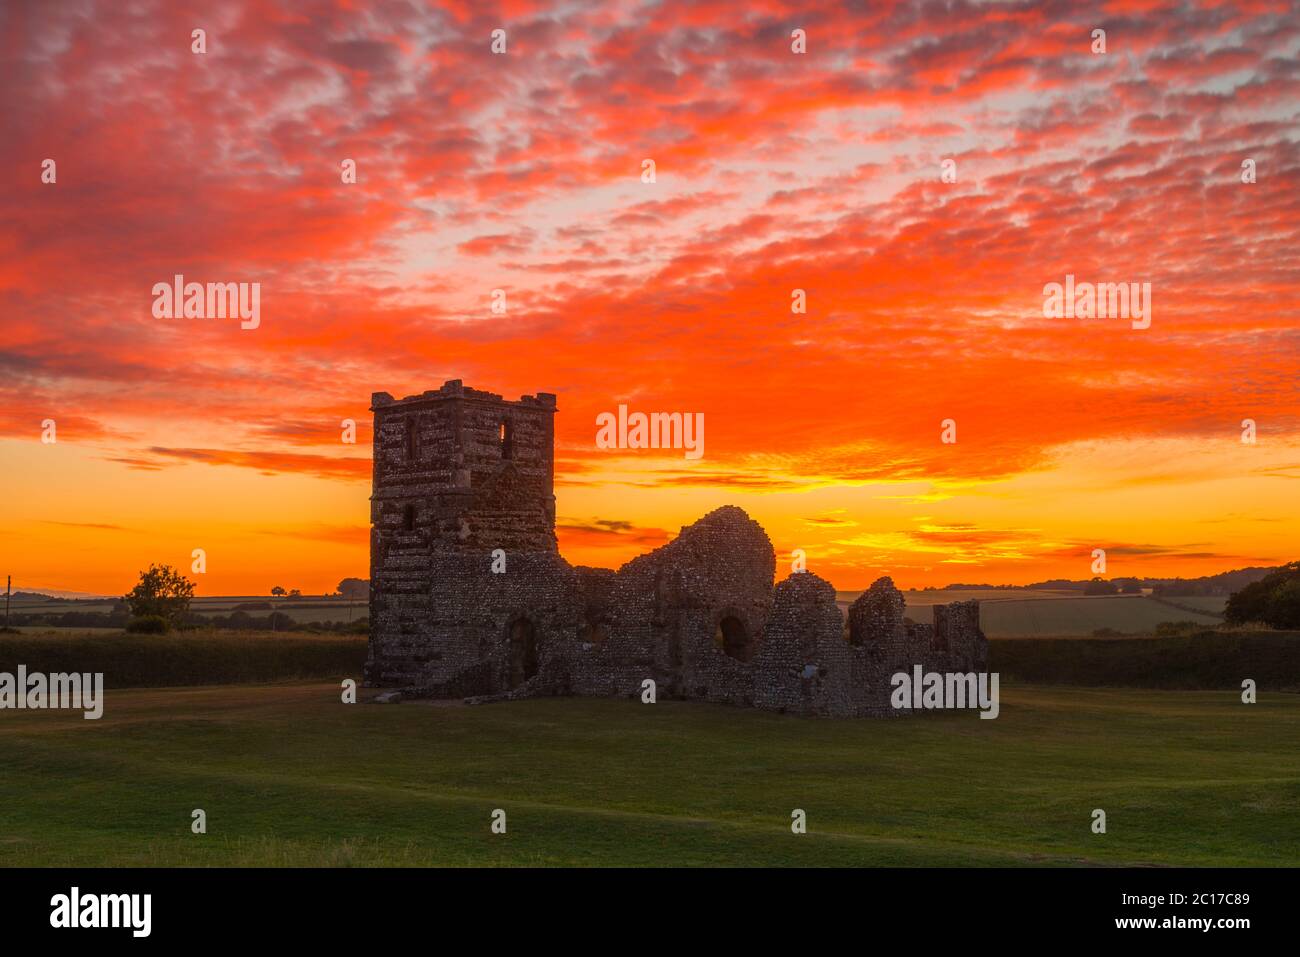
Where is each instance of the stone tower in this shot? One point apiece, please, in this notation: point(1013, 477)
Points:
point(458, 475)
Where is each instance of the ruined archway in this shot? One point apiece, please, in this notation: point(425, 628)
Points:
point(523, 652)
point(734, 639)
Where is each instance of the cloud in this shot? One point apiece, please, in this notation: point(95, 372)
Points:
point(621, 536)
point(775, 171)
point(95, 525)
point(352, 468)
point(333, 534)
point(496, 245)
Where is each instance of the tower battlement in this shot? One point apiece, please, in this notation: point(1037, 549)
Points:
point(459, 468)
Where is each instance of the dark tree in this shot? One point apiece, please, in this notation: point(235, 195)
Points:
point(1273, 600)
point(355, 589)
point(162, 592)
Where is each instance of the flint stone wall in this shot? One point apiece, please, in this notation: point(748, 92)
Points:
point(463, 479)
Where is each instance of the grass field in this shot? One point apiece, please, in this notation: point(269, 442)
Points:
point(1004, 613)
point(304, 609)
point(1209, 604)
point(290, 776)
point(1020, 618)
point(942, 596)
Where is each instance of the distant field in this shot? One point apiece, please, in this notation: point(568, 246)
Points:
point(304, 609)
point(289, 776)
point(1207, 603)
point(1064, 616)
point(1004, 613)
point(1007, 613)
point(333, 611)
point(915, 599)
point(1082, 616)
point(58, 607)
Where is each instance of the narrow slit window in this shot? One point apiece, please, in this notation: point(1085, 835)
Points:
point(408, 518)
point(412, 441)
point(507, 440)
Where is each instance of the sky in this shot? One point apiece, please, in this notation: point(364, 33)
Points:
point(774, 170)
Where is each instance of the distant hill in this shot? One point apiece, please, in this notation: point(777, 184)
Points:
point(1220, 585)
point(56, 594)
point(35, 596)
point(1224, 583)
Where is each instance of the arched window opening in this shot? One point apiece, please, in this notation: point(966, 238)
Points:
point(733, 639)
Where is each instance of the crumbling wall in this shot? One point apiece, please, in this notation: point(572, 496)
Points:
point(661, 612)
point(959, 643)
point(470, 598)
point(805, 666)
point(889, 642)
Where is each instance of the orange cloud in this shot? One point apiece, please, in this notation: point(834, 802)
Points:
point(775, 171)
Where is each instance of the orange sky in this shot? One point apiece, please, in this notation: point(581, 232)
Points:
point(775, 171)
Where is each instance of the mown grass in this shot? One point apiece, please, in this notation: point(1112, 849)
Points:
point(288, 775)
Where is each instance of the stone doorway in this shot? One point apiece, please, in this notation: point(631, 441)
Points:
point(523, 652)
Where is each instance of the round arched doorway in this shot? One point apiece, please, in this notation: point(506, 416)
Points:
point(523, 652)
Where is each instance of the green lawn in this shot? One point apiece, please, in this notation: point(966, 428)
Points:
point(290, 776)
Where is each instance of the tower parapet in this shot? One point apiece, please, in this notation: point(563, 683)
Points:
point(459, 468)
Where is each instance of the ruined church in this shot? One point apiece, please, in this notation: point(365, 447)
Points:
point(470, 597)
